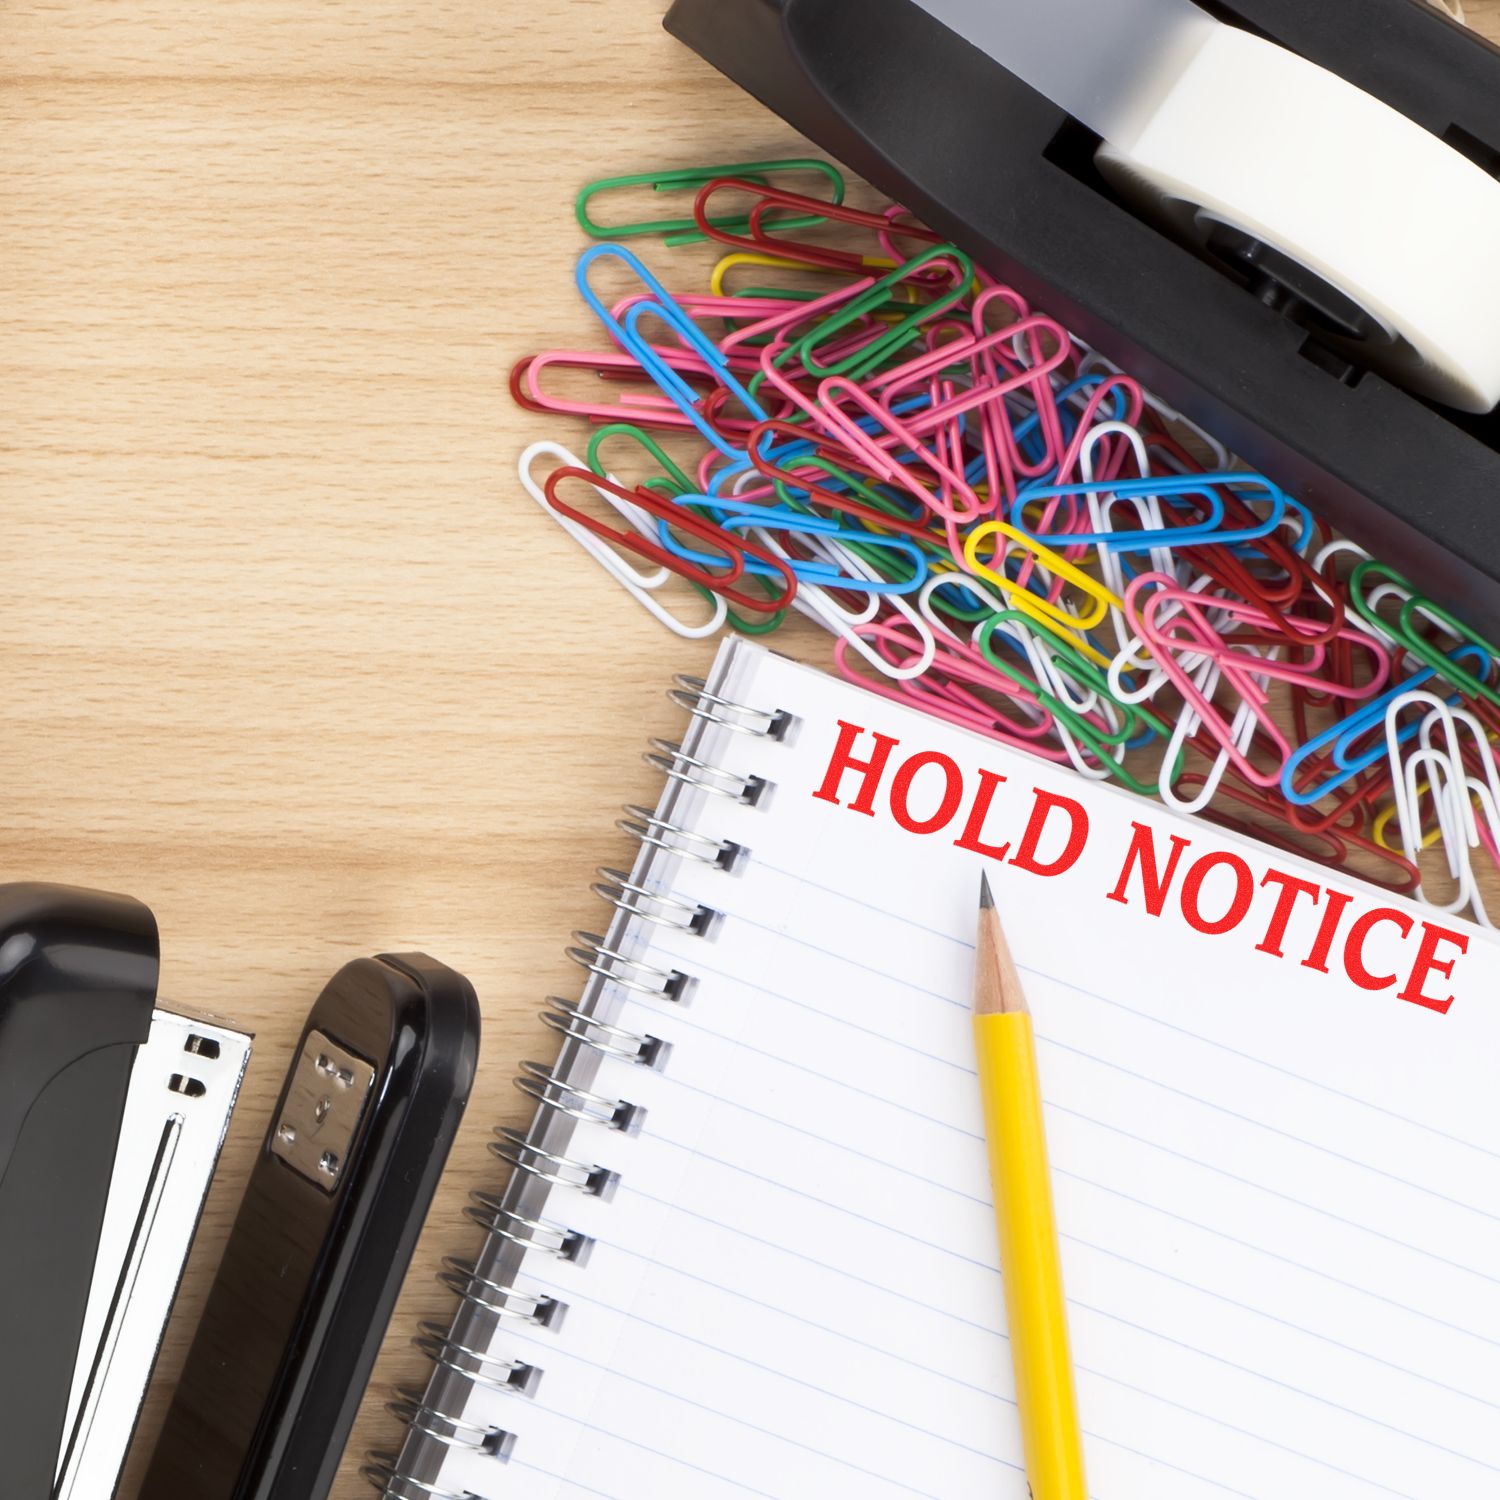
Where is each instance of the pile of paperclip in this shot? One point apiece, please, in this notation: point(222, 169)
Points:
point(1001, 528)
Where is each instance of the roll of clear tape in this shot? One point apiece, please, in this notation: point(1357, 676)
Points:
point(1255, 138)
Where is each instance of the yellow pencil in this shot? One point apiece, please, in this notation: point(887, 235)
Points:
point(1029, 1259)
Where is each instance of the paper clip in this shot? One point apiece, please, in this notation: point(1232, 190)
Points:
point(819, 604)
point(1043, 609)
point(1325, 846)
point(950, 688)
point(1167, 488)
point(685, 231)
point(956, 271)
point(735, 515)
point(655, 365)
point(1341, 740)
point(637, 583)
point(856, 497)
point(1107, 742)
point(734, 554)
point(718, 282)
point(1441, 773)
point(621, 370)
point(669, 471)
point(769, 199)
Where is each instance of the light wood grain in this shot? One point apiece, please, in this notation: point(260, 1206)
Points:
point(286, 653)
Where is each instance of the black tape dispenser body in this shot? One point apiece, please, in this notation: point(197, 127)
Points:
point(1239, 341)
point(78, 976)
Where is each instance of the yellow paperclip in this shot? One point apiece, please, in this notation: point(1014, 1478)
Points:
point(782, 263)
point(1383, 822)
point(1054, 617)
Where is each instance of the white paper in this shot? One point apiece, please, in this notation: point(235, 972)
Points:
point(1278, 1193)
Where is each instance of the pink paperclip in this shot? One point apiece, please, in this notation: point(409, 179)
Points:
point(987, 396)
point(779, 325)
point(637, 406)
point(886, 238)
point(1235, 678)
point(1046, 399)
point(1221, 648)
point(893, 384)
point(1051, 426)
point(748, 310)
point(965, 666)
point(996, 292)
point(877, 457)
point(1030, 736)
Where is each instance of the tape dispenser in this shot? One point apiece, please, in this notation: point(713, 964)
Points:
point(1258, 208)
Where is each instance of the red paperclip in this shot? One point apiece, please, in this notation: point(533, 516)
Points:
point(772, 199)
point(735, 549)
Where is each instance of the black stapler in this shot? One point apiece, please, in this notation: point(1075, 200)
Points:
point(1245, 343)
point(78, 973)
point(112, 1114)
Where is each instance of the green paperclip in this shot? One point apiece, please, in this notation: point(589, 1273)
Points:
point(1404, 630)
point(903, 331)
point(692, 179)
point(1084, 672)
point(671, 472)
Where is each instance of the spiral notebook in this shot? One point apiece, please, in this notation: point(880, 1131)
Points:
point(747, 1248)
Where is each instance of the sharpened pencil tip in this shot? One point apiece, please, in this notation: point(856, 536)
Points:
point(997, 986)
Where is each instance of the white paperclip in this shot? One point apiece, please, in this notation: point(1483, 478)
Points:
point(1223, 458)
point(1442, 768)
point(636, 582)
point(1242, 732)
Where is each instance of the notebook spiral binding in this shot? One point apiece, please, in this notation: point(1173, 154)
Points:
point(556, 1094)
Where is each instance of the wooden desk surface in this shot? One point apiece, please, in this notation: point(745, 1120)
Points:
point(287, 653)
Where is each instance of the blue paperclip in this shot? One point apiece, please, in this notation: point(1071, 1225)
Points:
point(1346, 734)
point(1165, 488)
point(661, 305)
point(741, 515)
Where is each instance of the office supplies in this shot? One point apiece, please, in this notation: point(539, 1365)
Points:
point(323, 1236)
point(1036, 1316)
point(78, 974)
point(684, 231)
point(1053, 556)
point(183, 1087)
point(112, 1114)
point(748, 1244)
point(1233, 330)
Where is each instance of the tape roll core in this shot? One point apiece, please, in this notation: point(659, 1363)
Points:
point(1256, 138)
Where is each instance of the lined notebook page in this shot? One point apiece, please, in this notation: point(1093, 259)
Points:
point(1279, 1193)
